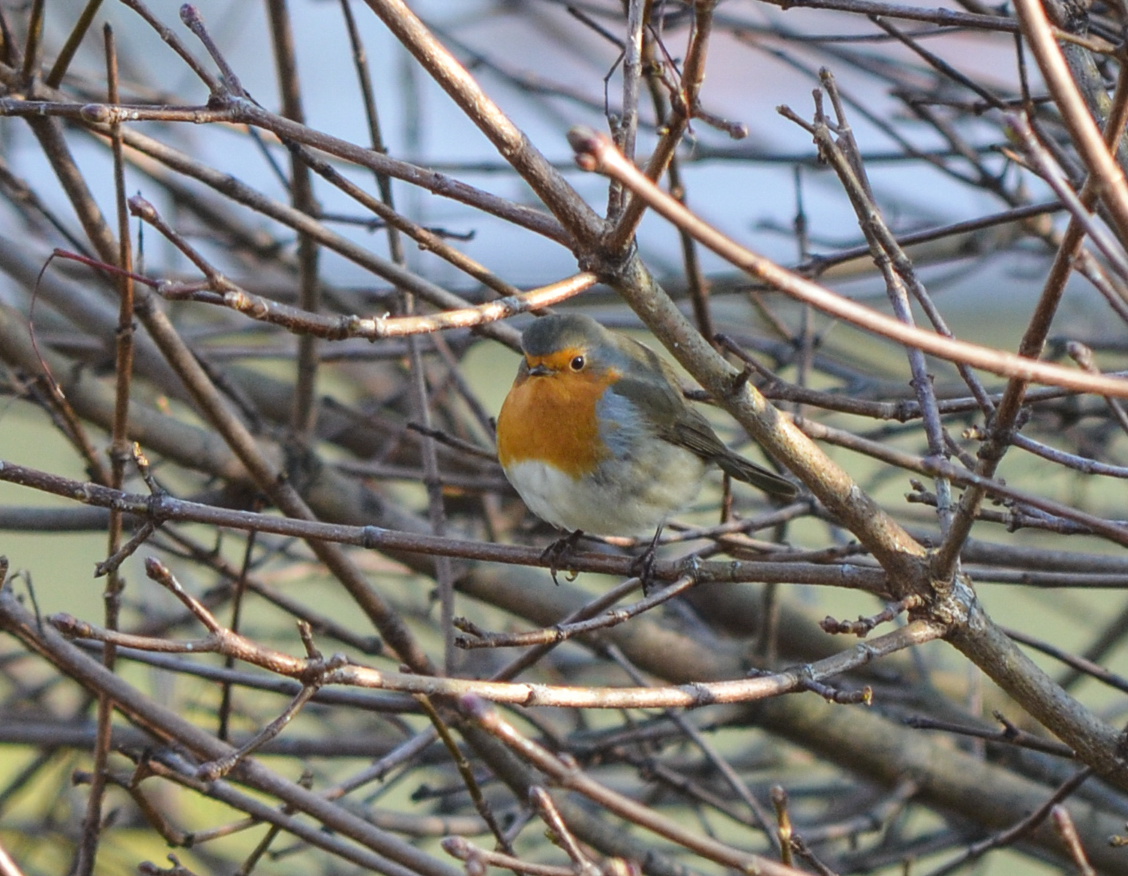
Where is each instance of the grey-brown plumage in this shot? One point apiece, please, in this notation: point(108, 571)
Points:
point(650, 384)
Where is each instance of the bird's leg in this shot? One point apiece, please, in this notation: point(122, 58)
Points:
point(559, 550)
point(643, 567)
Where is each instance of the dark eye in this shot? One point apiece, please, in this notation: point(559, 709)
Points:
point(577, 364)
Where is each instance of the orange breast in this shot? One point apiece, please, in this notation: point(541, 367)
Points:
point(551, 419)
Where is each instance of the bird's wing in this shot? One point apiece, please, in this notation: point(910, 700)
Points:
point(662, 404)
point(694, 432)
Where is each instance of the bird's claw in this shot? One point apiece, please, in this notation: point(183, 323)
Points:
point(643, 566)
point(558, 551)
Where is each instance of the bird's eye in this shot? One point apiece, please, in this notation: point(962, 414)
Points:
point(577, 364)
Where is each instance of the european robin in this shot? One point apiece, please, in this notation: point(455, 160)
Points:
point(596, 436)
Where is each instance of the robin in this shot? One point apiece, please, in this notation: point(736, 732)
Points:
point(596, 436)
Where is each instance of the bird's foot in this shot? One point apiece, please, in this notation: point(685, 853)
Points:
point(643, 566)
point(558, 551)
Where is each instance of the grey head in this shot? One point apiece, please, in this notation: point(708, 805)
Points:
point(560, 331)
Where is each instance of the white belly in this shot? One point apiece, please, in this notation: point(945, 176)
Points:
point(625, 498)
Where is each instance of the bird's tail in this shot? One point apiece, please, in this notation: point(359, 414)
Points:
point(756, 475)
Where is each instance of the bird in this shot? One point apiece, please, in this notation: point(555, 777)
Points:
point(597, 438)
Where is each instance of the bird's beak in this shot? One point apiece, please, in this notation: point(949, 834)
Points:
point(539, 370)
